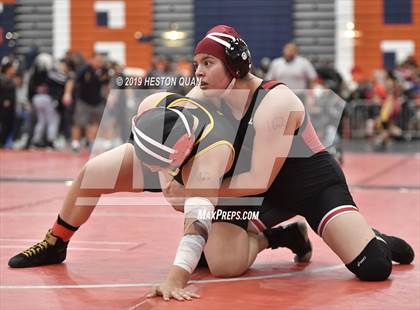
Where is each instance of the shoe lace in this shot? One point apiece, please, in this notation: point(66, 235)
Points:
point(37, 248)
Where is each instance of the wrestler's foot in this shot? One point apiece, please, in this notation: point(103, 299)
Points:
point(294, 237)
point(52, 250)
point(401, 251)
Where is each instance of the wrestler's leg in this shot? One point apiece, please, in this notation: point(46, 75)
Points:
point(338, 221)
point(231, 250)
point(353, 240)
point(107, 173)
point(228, 250)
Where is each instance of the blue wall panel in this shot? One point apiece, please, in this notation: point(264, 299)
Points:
point(266, 25)
point(102, 19)
point(397, 11)
point(389, 59)
point(7, 21)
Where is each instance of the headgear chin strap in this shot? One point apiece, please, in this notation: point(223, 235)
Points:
point(228, 88)
point(177, 153)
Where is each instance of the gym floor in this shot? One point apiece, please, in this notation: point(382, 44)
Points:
point(123, 250)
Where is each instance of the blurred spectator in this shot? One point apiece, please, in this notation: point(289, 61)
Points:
point(293, 70)
point(30, 56)
point(360, 97)
point(74, 60)
point(330, 78)
point(377, 95)
point(326, 111)
point(45, 103)
point(262, 70)
point(389, 94)
point(160, 67)
point(7, 101)
point(359, 87)
point(408, 74)
point(184, 67)
point(60, 86)
point(164, 69)
point(37, 77)
point(116, 125)
point(64, 95)
point(90, 100)
point(21, 108)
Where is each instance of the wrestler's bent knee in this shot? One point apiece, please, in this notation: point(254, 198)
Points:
point(373, 263)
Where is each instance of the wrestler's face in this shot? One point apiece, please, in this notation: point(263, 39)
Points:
point(212, 73)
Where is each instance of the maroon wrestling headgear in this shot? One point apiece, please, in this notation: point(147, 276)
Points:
point(224, 43)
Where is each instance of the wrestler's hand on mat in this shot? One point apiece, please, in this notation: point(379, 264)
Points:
point(169, 290)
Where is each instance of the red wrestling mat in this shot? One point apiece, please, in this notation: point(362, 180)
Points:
point(123, 250)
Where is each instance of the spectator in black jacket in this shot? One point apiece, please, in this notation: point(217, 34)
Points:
point(90, 84)
point(7, 101)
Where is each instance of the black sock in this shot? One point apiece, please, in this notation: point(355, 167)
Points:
point(276, 237)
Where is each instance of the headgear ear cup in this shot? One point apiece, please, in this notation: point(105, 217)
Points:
point(238, 57)
point(183, 148)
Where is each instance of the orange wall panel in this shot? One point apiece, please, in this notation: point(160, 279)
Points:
point(138, 18)
point(368, 19)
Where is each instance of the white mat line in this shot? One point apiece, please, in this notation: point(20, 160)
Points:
point(138, 305)
point(103, 214)
point(69, 248)
point(75, 241)
point(250, 278)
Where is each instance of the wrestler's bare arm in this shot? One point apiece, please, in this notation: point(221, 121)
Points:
point(202, 177)
point(278, 116)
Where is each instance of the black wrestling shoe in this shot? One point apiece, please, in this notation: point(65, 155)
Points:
point(294, 237)
point(401, 251)
point(52, 250)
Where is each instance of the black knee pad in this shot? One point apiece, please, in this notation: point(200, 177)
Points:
point(373, 263)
